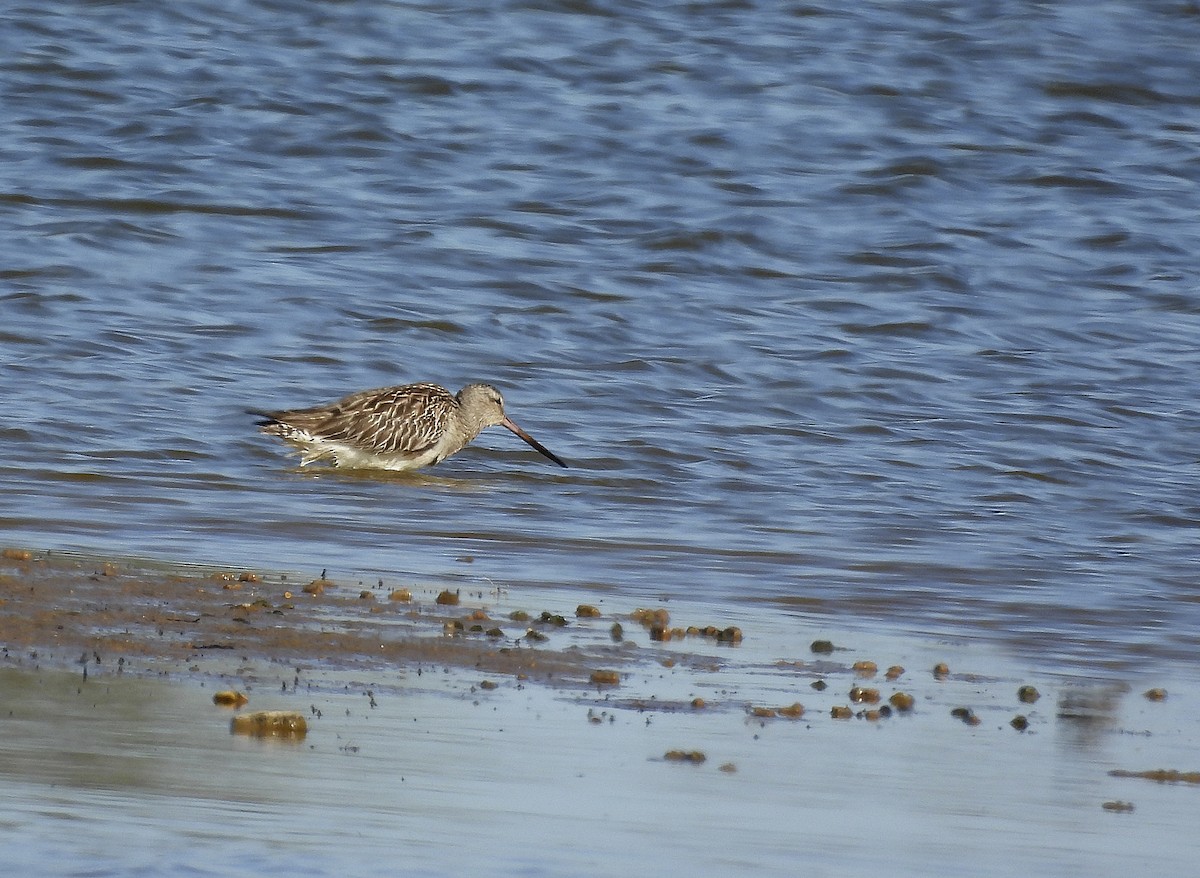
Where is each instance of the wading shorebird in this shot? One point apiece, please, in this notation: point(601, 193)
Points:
point(394, 428)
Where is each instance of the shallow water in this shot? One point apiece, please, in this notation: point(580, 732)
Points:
point(884, 311)
point(116, 774)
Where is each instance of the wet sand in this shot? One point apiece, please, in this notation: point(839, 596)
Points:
point(504, 733)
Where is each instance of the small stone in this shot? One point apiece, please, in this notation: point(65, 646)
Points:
point(270, 724)
point(861, 695)
point(732, 634)
point(587, 611)
point(1156, 694)
point(1028, 695)
point(448, 598)
point(902, 701)
point(650, 618)
point(822, 647)
point(966, 715)
point(229, 698)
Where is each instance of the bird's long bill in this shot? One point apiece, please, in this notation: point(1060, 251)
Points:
point(537, 446)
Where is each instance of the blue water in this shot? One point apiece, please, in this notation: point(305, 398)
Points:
point(882, 311)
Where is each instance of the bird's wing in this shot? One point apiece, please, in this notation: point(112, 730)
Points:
point(391, 420)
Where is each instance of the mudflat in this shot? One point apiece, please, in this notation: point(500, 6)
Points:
point(551, 733)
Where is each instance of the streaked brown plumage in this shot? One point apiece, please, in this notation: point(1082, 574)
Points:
point(395, 428)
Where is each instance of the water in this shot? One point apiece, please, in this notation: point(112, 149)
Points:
point(884, 311)
point(119, 775)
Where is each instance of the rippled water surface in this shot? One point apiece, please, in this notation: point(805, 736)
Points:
point(884, 309)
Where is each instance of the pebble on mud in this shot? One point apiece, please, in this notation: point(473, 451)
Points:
point(841, 711)
point(317, 586)
point(1155, 694)
point(1028, 695)
point(650, 618)
point(1118, 806)
point(17, 555)
point(698, 704)
point(605, 678)
point(270, 724)
point(587, 611)
point(488, 684)
point(616, 632)
point(792, 711)
point(732, 634)
point(400, 594)
point(866, 668)
point(895, 672)
point(448, 598)
point(1019, 722)
point(822, 647)
point(693, 756)
point(966, 715)
point(658, 632)
point(230, 698)
point(902, 701)
point(941, 671)
point(861, 695)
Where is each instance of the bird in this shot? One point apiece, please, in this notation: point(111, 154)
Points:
point(404, 427)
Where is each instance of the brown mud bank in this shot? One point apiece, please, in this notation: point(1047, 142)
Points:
point(121, 616)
